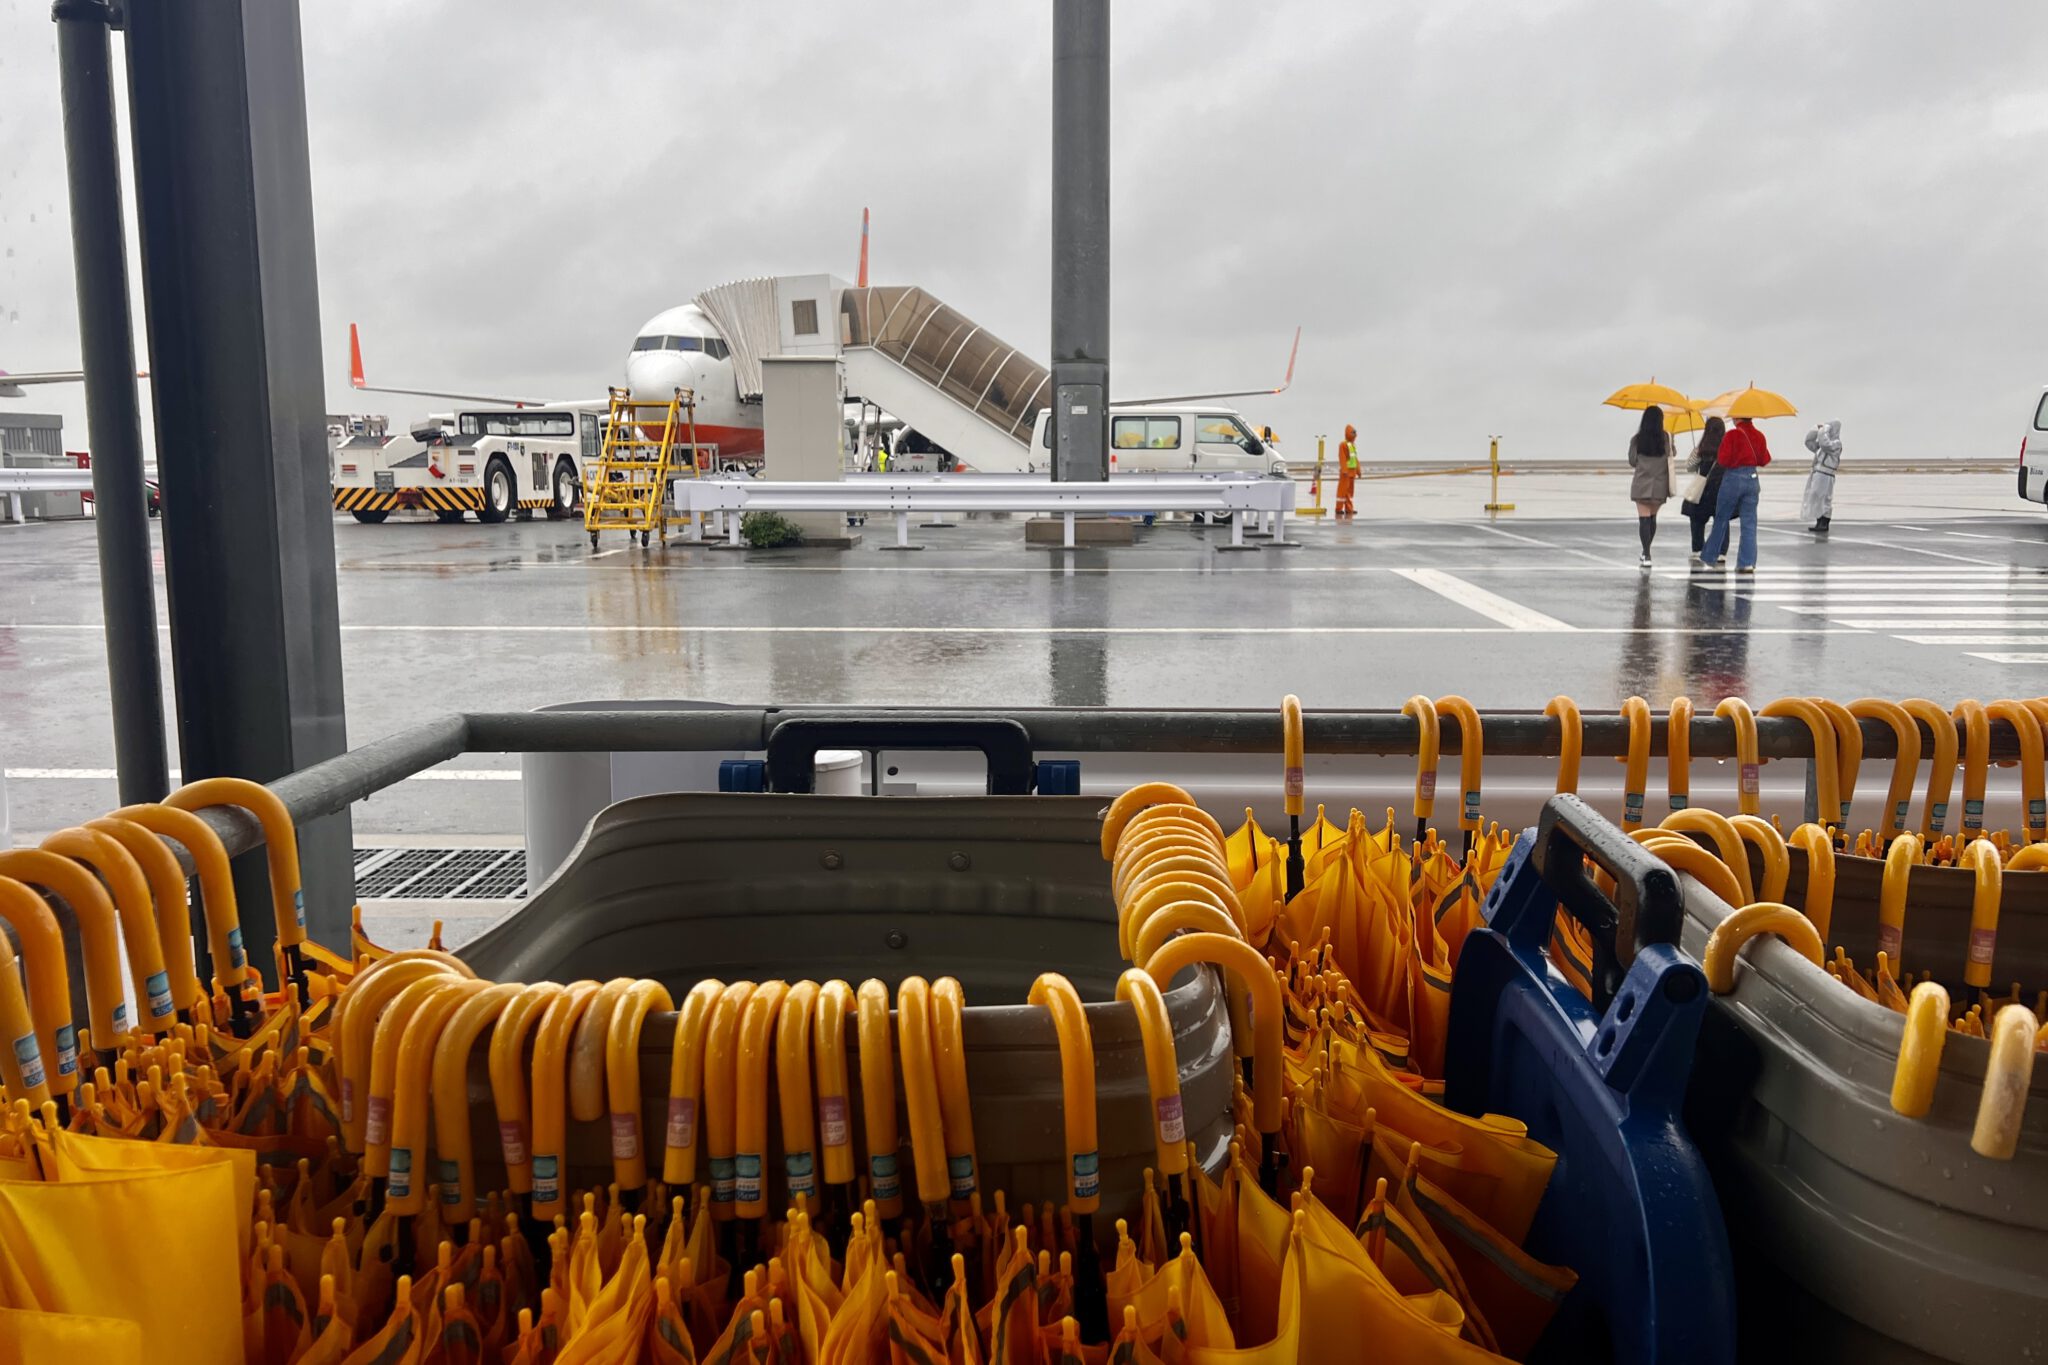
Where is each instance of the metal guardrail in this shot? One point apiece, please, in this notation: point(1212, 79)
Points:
point(332, 786)
point(55, 480)
point(901, 495)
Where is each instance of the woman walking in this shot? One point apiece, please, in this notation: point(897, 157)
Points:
point(1818, 503)
point(1649, 455)
point(1706, 464)
point(1743, 453)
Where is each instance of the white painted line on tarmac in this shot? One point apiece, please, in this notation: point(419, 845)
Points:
point(1864, 608)
point(1974, 639)
point(2013, 658)
point(1894, 623)
point(1531, 540)
point(109, 774)
point(455, 628)
point(1474, 598)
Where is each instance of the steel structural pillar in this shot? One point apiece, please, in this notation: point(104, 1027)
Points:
point(1080, 239)
point(224, 202)
point(113, 419)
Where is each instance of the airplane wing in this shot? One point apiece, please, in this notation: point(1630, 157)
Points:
point(1236, 393)
point(355, 379)
point(11, 385)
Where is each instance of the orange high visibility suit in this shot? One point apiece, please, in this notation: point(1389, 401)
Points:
point(1347, 472)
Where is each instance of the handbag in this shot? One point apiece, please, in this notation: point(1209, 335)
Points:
point(1695, 489)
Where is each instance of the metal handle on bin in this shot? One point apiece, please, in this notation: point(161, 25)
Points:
point(1647, 906)
point(793, 746)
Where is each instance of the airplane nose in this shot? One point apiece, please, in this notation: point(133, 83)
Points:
point(657, 374)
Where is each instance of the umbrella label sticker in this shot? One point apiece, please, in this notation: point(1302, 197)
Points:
point(1751, 783)
point(29, 1058)
point(451, 1181)
point(799, 1167)
point(1087, 1175)
point(1940, 816)
point(547, 1186)
point(1632, 805)
point(625, 1136)
point(960, 1170)
point(1173, 1127)
point(158, 988)
point(2037, 811)
point(348, 1100)
point(747, 1177)
point(236, 957)
point(832, 1121)
point(1973, 814)
point(722, 1181)
point(401, 1171)
point(1899, 813)
point(1981, 943)
point(299, 907)
point(682, 1121)
point(1294, 780)
point(1425, 786)
point(511, 1141)
point(120, 1016)
point(1680, 800)
point(1845, 812)
point(1472, 804)
point(67, 1049)
point(883, 1171)
point(1888, 938)
point(377, 1126)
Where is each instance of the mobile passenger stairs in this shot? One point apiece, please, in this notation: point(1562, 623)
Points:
point(647, 443)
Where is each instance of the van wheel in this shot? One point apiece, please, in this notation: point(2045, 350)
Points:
point(497, 492)
point(370, 518)
point(564, 505)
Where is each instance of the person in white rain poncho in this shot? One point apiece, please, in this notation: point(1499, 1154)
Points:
point(1825, 441)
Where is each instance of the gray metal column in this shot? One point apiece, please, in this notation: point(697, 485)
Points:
point(1080, 239)
point(107, 340)
point(224, 201)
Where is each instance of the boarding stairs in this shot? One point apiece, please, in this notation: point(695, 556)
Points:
point(647, 442)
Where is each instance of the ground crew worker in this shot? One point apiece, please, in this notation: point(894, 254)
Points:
point(882, 454)
point(1347, 471)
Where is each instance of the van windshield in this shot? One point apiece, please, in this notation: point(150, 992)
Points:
point(1223, 429)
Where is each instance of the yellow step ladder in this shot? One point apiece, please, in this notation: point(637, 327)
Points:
point(646, 444)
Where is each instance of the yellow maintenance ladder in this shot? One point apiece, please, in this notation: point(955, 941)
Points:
point(629, 489)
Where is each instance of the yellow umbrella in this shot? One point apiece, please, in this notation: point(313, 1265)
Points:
point(1678, 421)
point(1750, 402)
point(1640, 396)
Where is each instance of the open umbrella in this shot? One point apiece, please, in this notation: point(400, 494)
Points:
point(1750, 402)
point(1636, 397)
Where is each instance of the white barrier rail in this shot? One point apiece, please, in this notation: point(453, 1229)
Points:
point(15, 482)
point(1241, 496)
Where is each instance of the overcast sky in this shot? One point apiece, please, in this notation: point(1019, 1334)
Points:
point(1484, 214)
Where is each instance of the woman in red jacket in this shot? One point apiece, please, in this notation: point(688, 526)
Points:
point(1743, 453)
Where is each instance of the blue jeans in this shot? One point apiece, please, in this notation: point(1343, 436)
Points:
point(1738, 499)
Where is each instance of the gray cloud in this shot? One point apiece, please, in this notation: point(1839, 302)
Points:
point(1483, 215)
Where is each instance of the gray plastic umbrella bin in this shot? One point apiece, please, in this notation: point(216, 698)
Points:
point(1857, 1233)
point(990, 890)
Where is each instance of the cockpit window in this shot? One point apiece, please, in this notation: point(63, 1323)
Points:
point(676, 343)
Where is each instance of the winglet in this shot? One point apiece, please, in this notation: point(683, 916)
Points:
point(355, 358)
point(863, 249)
point(1291, 354)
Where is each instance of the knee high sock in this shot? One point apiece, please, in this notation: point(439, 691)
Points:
point(1646, 527)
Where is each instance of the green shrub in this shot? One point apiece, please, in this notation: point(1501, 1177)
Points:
point(766, 530)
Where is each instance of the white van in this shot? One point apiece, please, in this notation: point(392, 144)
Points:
point(1172, 440)
point(2034, 455)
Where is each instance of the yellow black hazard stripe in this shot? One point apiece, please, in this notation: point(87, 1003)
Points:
point(526, 503)
point(430, 499)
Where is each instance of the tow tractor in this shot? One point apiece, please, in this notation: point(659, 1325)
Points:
point(494, 464)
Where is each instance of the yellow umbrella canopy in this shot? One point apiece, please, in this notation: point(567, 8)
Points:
point(1751, 402)
point(1640, 396)
point(1678, 421)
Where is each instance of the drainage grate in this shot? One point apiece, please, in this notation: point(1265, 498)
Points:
point(440, 873)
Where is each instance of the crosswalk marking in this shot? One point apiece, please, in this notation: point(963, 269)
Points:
point(1972, 609)
point(1474, 598)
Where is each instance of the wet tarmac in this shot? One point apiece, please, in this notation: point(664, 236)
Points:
point(1944, 603)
